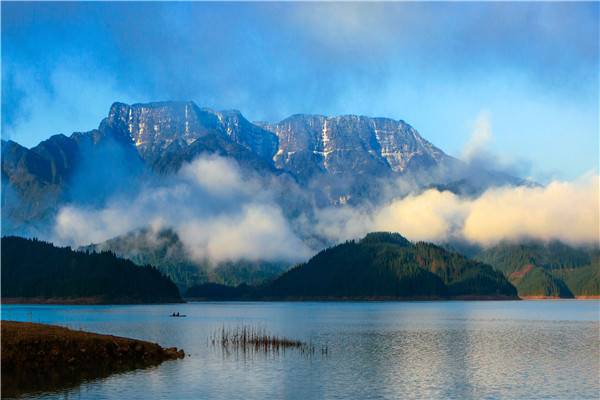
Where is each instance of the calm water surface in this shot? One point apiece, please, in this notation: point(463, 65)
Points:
point(387, 350)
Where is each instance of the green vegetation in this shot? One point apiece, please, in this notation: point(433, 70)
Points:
point(161, 249)
point(583, 281)
point(164, 250)
point(539, 283)
point(253, 340)
point(216, 291)
point(382, 265)
point(244, 272)
point(509, 257)
point(551, 269)
point(38, 270)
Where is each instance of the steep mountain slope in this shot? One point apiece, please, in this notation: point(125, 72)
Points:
point(551, 269)
point(154, 127)
point(388, 265)
point(174, 156)
point(86, 167)
point(310, 144)
point(583, 281)
point(28, 187)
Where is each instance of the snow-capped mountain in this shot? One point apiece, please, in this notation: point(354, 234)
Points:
point(310, 144)
point(302, 145)
point(157, 127)
point(337, 160)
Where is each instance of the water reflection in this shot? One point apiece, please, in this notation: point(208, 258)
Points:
point(424, 350)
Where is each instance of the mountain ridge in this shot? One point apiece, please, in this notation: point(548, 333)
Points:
point(334, 160)
point(546, 269)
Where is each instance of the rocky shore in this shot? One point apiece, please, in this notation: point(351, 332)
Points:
point(39, 357)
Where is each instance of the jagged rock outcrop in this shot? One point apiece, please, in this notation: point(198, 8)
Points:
point(155, 127)
point(350, 144)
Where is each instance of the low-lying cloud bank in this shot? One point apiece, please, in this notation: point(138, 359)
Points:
point(218, 214)
point(566, 211)
point(221, 214)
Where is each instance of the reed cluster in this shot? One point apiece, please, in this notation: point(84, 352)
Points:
point(256, 339)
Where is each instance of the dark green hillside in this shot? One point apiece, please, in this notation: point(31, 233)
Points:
point(539, 283)
point(388, 265)
point(243, 272)
point(462, 276)
point(161, 249)
point(165, 251)
point(551, 269)
point(509, 257)
point(583, 281)
point(39, 271)
point(216, 291)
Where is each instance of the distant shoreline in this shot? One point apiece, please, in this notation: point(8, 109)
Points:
point(355, 298)
point(97, 301)
point(94, 300)
point(560, 298)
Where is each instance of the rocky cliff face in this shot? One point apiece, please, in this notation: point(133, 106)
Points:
point(350, 144)
point(155, 127)
point(302, 145)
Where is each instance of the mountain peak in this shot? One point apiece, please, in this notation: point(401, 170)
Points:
point(352, 144)
point(155, 127)
point(303, 144)
point(152, 127)
point(386, 237)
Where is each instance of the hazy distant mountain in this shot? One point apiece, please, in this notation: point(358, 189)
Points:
point(164, 250)
point(547, 269)
point(336, 160)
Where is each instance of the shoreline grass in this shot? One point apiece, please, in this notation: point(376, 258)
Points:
point(254, 339)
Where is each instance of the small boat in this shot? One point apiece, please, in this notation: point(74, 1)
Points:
point(177, 315)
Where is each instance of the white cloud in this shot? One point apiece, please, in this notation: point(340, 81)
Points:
point(429, 216)
point(480, 138)
point(217, 175)
point(566, 211)
point(222, 215)
point(217, 214)
point(257, 233)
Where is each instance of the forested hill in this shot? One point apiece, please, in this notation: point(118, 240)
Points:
point(33, 270)
point(388, 265)
point(552, 269)
point(381, 265)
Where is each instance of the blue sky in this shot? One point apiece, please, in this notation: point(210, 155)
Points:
point(529, 69)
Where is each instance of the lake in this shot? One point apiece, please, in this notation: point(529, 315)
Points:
point(375, 350)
